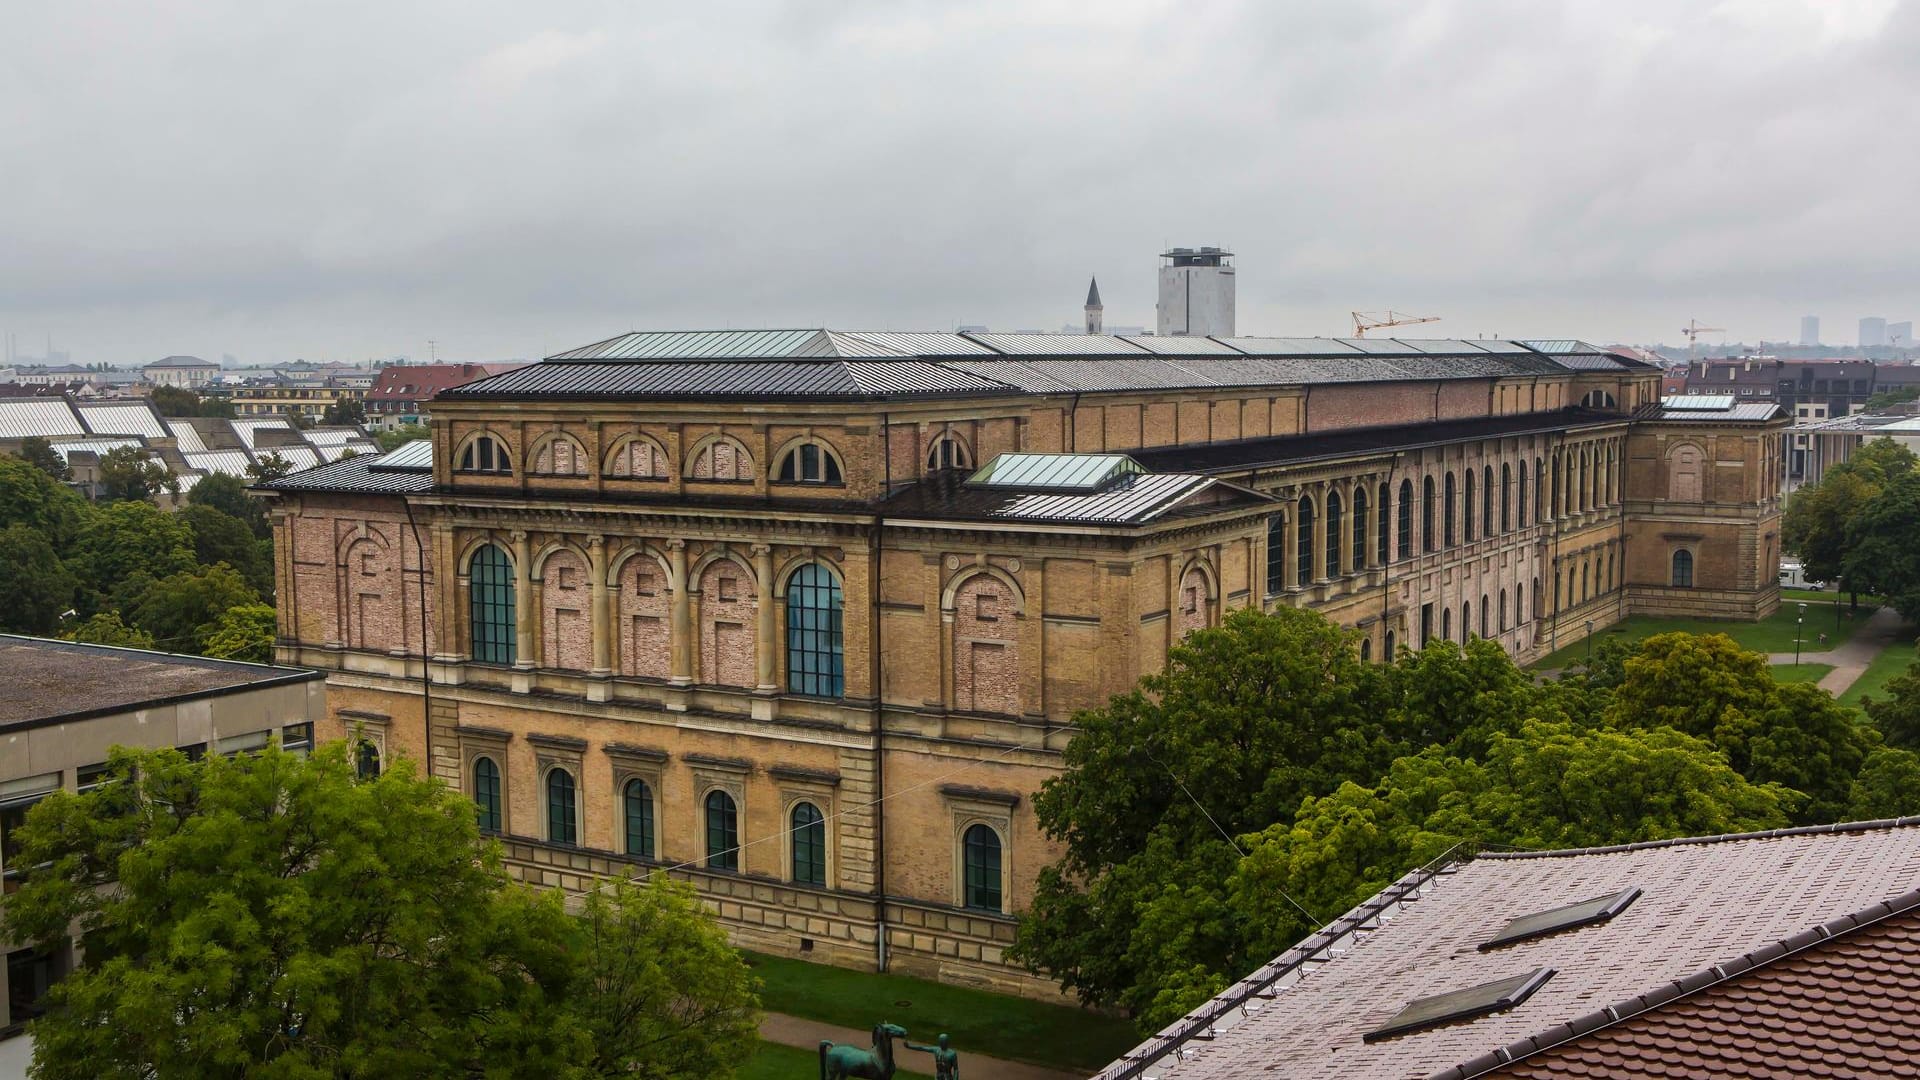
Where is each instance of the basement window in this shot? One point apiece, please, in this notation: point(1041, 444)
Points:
point(1422, 1013)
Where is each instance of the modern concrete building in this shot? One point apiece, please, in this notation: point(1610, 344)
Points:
point(64, 706)
point(1809, 329)
point(1196, 293)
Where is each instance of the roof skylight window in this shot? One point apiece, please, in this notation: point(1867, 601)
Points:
point(1426, 1012)
point(1585, 913)
point(1055, 472)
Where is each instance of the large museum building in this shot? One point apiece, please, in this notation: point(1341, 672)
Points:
point(805, 616)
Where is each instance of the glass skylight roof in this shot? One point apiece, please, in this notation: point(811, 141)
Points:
point(1464, 1004)
point(1054, 472)
point(1699, 402)
point(1585, 913)
point(417, 454)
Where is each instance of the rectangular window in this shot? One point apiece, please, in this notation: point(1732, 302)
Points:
point(297, 738)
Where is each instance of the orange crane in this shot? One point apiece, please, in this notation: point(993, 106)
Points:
point(1693, 330)
point(1364, 321)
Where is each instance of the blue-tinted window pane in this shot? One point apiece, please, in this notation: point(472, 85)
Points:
point(816, 659)
point(638, 798)
point(486, 793)
point(723, 832)
point(981, 860)
point(809, 845)
point(562, 825)
point(490, 581)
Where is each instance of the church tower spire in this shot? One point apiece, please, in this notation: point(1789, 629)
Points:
point(1094, 310)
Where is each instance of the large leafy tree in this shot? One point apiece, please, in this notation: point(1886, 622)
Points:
point(1884, 557)
point(182, 610)
point(28, 496)
point(275, 917)
point(39, 453)
point(35, 589)
point(344, 411)
point(228, 494)
point(132, 473)
point(106, 628)
point(243, 632)
point(393, 438)
point(127, 538)
point(219, 537)
point(1820, 519)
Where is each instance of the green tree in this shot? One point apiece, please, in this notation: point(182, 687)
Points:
point(393, 438)
point(1888, 786)
point(1887, 399)
point(1819, 523)
point(127, 538)
point(269, 468)
point(181, 610)
point(277, 917)
point(219, 537)
point(1883, 557)
point(243, 632)
point(28, 496)
point(106, 628)
point(175, 401)
point(39, 453)
point(35, 589)
point(343, 411)
point(131, 473)
point(228, 494)
point(1897, 715)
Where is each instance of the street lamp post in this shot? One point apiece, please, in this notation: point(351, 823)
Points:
point(1798, 621)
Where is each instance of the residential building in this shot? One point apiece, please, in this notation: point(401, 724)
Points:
point(57, 375)
point(1809, 330)
point(701, 600)
point(1196, 293)
point(1787, 953)
point(401, 392)
point(187, 372)
point(64, 706)
point(308, 398)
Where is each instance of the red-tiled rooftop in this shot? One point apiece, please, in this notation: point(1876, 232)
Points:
point(1710, 901)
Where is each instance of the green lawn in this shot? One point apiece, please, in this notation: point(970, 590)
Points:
point(1769, 635)
point(1812, 673)
point(775, 1062)
point(1058, 1036)
point(1892, 661)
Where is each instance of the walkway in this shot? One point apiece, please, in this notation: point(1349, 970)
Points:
point(806, 1034)
point(1851, 659)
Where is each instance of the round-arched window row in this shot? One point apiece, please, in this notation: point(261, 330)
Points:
point(947, 452)
point(484, 454)
point(809, 463)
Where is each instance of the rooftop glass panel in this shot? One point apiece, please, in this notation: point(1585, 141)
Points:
point(1585, 913)
point(1054, 472)
point(1699, 402)
point(417, 454)
point(1466, 1004)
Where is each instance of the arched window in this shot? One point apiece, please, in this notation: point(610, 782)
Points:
point(1523, 494)
point(947, 452)
point(491, 605)
point(1534, 611)
point(1539, 504)
point(1303, 541)
point(1446, 624)
point(1483, 613)
point(816, 661)
point(1486, 499)
point(1406, 517)
point(809, 845)
point(1366, 650)
point(366, 760)
point(1586, 581)
point(486, 793)
point(1359, 528)
point(1553, 504)
point(980, 861)
point(639, 458)
point(1467, 519)
point(722, 460)
point(560, 456)
point(637, 800)
point(1506, 495)
point(809, 463)
point(1383, 523)
point(1683, 569)
point(1466, 622)
point(1387, 653)
point(1427, 508)
point(1599, 399)
point(1446, 529)
point(1503, 611)
point(1332, 559)
point(485, 454)
point(723, 832)
point(563, 824)
point(1276, 554)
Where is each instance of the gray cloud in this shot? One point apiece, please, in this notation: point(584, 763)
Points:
point(351, 179)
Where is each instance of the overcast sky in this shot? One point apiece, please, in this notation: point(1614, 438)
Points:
point(351, 179)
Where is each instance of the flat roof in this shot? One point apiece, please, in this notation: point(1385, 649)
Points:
point(51, 682)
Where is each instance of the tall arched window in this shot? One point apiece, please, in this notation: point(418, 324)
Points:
point(1387, 653)
point(563, 824)
point(1406, 518)
point(1466, 622)
point(816, 660)
point(1483, 613)
point(491, 605)
point(1427, 500)
point(486, 793)
point(809, 845)
point(723, 832)
point(1523, 494)
point(947, 452)
point(1683, 569)
point(1503, 611)
point(1303, 540)
point(1506, 496)
point(1539, 503)
point(1467, 518)
point(1533, 611)
point(1586, 581)
point(1486, 499)
point(1276, 554)
point(485, 454)
point(366, 760)
point(809, 463)
point(980, 861)
point(1360, 528)
point(637, 800)
point(1366, 650)
point(1447, 508)
point(1332, 559)
point(1446, 624)
point(1553, 496)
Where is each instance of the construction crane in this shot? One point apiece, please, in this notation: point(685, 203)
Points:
point(1364, 321)
point(1693, 330)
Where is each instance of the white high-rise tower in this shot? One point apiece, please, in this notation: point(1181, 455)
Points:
point(1196, 293)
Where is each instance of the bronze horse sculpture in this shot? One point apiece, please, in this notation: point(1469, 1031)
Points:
point(841, 1060)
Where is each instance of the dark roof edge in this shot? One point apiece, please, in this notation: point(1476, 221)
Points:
point(284, 677)
point(1766, 834)
point(1196, 1024)
point(1684, 987)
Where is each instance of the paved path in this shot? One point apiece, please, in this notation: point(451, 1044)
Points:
point(806, 1034)
point(1851, 659)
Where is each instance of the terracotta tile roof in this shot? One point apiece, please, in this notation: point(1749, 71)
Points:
point(1705, 902)
point(1843, 1007)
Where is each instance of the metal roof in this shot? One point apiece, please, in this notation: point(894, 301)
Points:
point(1249, 454)
point(1589, 361)
point(415, 454)
point(805, 379)
point(246, 428)
point(1699, 402)
point(332, 436)
point(697, 344)
point(1054, 472)
point(357, 475)
point(1379, 346)
point(1744, 412)
point(358, 446)
point(300, 457)
point(1057, 344)
point(97, 446)
point(231, 462)
point(122, 418)
point(1181, 345)
point(185, 435)
point(920, 344)
point(1290, 346)
point(22, 418)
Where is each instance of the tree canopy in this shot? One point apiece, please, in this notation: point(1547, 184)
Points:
point(344, 411)
point(35, 589)
point(132, 473)
point(40, 453)
point(275, 916)
point(228, 494)
point(1820, 522)
point(1883, 557)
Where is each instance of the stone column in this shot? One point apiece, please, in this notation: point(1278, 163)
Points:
point(680, 636)
point(602, 617)
point(522, 600)
point(763, 639)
